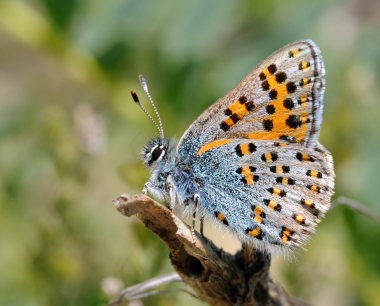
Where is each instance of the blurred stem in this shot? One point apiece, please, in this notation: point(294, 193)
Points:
point(145, 288)
point(357, 206)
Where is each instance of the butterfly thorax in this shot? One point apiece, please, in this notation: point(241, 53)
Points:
point(171, 177)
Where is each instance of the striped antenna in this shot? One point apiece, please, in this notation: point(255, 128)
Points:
point(144, 86)
point(137, 101)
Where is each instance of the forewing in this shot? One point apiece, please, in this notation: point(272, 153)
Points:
point(265, 192)
point(279, 100)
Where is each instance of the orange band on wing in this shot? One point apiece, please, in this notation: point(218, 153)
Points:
point(212, 145)
point(254, 232)
point(283, 125)
point(298, 135)
point(239, 108)
point(282, 106)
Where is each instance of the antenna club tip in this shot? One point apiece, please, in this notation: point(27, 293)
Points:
point(134, 96)
point(143, 83)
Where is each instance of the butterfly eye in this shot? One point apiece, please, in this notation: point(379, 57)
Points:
point(154, 151)
point(156, 154)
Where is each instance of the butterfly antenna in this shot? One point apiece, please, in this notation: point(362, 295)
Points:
point(137, 101)
point(144, 86)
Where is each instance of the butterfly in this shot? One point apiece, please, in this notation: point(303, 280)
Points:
point(252, 162)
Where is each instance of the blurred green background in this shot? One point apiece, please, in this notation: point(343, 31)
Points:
point(70, 135)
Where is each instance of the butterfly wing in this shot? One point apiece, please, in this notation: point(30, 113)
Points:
point(266, 194)
point(279, 100)
point(253, 156)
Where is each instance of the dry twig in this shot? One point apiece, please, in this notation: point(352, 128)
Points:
point(145, 289)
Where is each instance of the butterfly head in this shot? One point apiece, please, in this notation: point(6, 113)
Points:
point(155, 152)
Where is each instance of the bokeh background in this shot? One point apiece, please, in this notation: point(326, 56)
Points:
point(70, 136)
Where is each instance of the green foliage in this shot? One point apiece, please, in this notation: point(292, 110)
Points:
point(70, 135)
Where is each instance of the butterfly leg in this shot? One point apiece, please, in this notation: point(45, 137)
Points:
point(193, 223)
point(172, 195)
point(145, 189)
point(201, 227)
point(196, 202)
